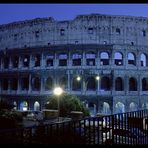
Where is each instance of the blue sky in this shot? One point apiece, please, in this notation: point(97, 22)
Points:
point(17, 12)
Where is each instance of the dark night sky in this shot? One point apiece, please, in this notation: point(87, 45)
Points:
point(17, 12)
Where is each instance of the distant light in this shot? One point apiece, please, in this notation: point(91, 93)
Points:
point(58, 91)
point(78, 78)
point(24, 108)
point(97, 78)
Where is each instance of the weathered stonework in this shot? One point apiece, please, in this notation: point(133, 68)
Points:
point(37, 55)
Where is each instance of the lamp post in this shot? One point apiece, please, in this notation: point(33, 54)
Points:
point(58, 91)
point(78, 78)
point(98, 78)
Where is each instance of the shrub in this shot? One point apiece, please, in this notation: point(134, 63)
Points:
point(67, 103)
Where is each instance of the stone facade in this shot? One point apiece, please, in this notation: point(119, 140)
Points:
point(108, 53)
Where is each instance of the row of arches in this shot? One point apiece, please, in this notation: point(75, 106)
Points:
point(119, 108)
point(106, 109)
point(90, 59)
point(24, 106)
point(91, 83)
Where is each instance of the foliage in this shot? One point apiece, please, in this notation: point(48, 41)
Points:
point(67, 103)
point(5, 105)
point(9, 118)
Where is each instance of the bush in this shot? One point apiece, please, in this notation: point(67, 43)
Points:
point(5, 105)
point(67, 103)
point(10, 119)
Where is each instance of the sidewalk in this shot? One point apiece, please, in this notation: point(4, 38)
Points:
point(29, 123)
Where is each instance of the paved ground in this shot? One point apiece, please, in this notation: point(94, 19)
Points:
point(30, 122)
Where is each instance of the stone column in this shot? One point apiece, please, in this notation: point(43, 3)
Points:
point(10, 62)
point(42, 61)
point(42, 84)
point(1, 63)
point(9, 86)
point(18, 85)
point(83, 59)
point(20, 62)
point(98, 85)
point(69, 60)
point(31, 62)
point(68, 75)
point(126, 84)
point(55, 61)
point(30, 88)
point(113, 77)
point(98, 60)
point(139, 84)
point(83, 86)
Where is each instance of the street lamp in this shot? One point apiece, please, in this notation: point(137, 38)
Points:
point(78, 78)
point(97, 78)
point(58, 91)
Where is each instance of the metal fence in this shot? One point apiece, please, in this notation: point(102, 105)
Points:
point(124, 128)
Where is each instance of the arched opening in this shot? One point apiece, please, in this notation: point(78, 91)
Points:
point(49, 60)
point(132, 84)
point(90, 59)
point(145, 105)
point(15, 105)
point(5, 84)
point(63, 83)
point(25, 83)
point(15, 61)
point(106, 108)
point(105, 83)
point(36, 84)
point(131, 59)
point(91, 84)
point(76, 84)
point(63, 59)
point(36, 106)
point(6, 62)
point(92, 109)
point(24, 106)
point(145, 84)
point(49, 84)
point(133, 106)
point(14, 83)
point(143, 60)
point(119, 108)
point(118, 58)
point(118, 84)
point(104, 58)
point(76, 59)
point(26, 60)
point(37, 60)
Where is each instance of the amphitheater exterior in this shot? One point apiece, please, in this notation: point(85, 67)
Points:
point(103, 59)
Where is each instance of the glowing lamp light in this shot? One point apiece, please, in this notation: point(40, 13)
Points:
point(78, 78)
point(58, 91)
point(97, 77)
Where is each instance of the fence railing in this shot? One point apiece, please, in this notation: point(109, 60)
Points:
point(124, 128)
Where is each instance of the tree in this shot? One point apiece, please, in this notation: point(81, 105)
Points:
point(9, 118)
point(67, 103)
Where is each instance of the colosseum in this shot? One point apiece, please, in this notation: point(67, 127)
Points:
point(103, 59)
